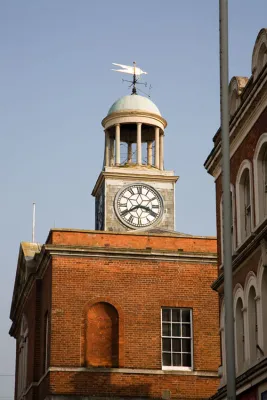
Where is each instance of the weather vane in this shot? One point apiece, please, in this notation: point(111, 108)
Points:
point(136, 72)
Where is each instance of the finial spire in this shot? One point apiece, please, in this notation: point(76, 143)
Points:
point(33, 222)
point(135, 71)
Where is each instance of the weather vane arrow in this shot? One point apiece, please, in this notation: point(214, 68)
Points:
point(132, 70)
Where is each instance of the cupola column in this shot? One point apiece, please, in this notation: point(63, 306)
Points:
point(139, 143)
point(130, 153)
point(149, 153)
point(156, 147)
point(118, 144)
point(107, 149)
point(161, 151)
point(111, 151)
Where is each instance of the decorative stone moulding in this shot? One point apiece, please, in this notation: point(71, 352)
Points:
point(236, 87)
point(259, 55)
point(134, 116)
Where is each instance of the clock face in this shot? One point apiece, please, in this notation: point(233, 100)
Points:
point(138, 205)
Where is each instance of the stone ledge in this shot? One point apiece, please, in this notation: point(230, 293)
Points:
point(135, 371)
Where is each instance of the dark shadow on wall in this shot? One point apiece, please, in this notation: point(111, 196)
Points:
point(103, 385)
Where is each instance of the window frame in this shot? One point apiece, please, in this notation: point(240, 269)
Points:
point(172, 367)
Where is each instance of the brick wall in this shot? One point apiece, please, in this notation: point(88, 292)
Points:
point(136, 288)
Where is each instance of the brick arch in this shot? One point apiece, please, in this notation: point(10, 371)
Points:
point(102, 334)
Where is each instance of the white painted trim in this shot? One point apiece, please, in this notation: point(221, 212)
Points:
point(259, 213)
point(246, 164)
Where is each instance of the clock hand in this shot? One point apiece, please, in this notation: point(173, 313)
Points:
point(150, 211)
point(125, 212)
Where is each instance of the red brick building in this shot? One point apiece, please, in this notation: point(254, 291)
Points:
point(248, 152)
point(126, 310)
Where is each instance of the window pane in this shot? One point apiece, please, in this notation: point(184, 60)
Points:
point(176, 315)
point(186, 360)
point(186, 315)
point(176, 330)
point(166, 344)
point(186, 330)
point(166, 314)
point(166, 358)
point(176, 345)
point(186, 345)
point(166, 329)
point(176, 357)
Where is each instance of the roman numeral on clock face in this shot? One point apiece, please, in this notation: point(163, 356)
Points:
point(124, 212)
point(138, 205)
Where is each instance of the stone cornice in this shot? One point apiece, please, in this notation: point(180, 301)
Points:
point(132, 177)
point(134, 113)
point(136, 233)
point(42, 261)
point(139, 371)
point(245, 115)
point(124, 253)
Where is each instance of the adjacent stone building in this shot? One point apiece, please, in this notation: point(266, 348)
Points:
point(248, 152)
point(125, 311)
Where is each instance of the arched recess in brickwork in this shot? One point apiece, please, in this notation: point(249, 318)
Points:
point(259, 55)
point(239, 327)
point(102, 336)
point(260, 178)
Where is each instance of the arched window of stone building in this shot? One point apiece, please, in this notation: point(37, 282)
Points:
point(252, 325)
point(240, 335)
point(102, 336)
point(260, 171)
point(222, 330)
point(264, 308)
point(244, 201)
point(246, 204)
point(22, 356)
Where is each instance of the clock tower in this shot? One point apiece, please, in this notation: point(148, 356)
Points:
point(133, 191)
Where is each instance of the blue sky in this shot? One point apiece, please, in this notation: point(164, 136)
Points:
point(56, 86)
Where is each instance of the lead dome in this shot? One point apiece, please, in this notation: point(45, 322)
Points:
point(134, 102)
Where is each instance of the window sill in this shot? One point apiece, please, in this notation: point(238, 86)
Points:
point(165, 368)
